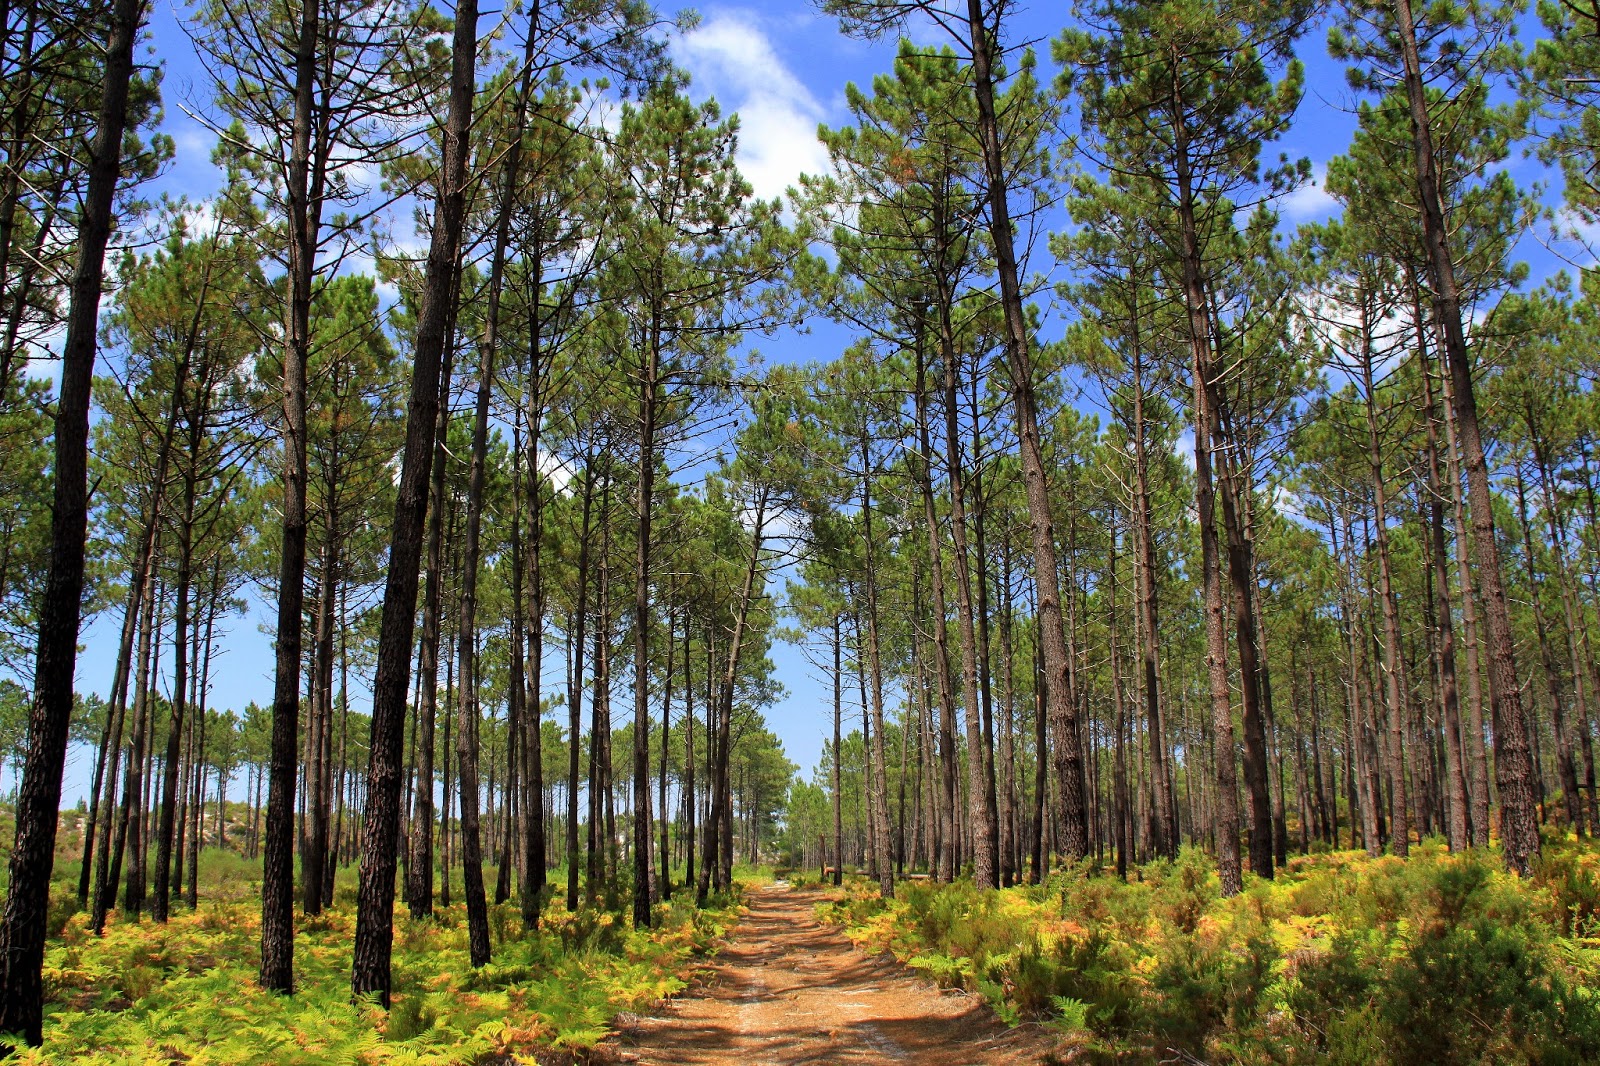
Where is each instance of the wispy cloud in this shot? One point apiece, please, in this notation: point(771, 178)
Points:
point(731, 57)
point(1311, 200)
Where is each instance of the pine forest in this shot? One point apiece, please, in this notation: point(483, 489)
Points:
point(458, 463)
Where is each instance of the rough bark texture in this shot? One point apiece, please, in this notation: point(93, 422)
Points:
point(1060, 696)
point(1399, 816)
point(649, 402)
point(23, 926)
point(467, 665)
point(1226, 811)
point(277, 878)
point(1456, 805)
point(1519, 827)
point(370, 975)
point(979, 784)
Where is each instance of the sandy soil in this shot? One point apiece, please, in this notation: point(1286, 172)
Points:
point(788, 991)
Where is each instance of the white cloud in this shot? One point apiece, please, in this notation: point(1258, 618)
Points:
point(1311, 200)
point(557, 470)
point(731, 57)
point(192, 143)
point(1288, 503)
point(1183, 448)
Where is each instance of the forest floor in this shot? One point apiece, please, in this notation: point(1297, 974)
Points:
point(788, 991)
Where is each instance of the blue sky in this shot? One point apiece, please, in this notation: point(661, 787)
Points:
point(783, 67)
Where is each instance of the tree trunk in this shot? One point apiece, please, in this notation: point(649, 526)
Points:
point(664, 859)
point(1457, 805)
point(649, 402)
point(838, 752)
point(1058, 684)
point(1226, 817)
point(980, 796)
point(1164, 822)
point(878, 786)
point(370, 973)
point(1399, 816)
point(319, 715)
point(949, 863)
point(575, 686)
point(277, 884)
point(23, 925)
point(466, 652)
point(1519, 831)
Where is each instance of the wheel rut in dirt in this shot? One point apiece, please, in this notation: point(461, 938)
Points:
point(787, 991)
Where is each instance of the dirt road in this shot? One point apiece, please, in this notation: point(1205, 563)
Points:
point(787, 991)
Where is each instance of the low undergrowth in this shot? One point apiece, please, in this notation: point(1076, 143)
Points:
point(186, 991)
point(1342, 959)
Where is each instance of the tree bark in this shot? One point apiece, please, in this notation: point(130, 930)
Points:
point(648, 409)
point(466, 649)
point(1058, 683)
point(1519, 830)
point(1399, 815)
point(1457, 805)
point(575, 687)
point(878, 787)
point(23, 924)
point(980, 795)
point(419, 890)
point(370, 975)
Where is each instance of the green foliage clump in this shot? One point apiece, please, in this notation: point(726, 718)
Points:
point(187, 992)
point(1342, 959)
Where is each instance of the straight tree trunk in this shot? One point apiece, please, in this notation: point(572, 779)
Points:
point(1253, 684)
point(1457, 805)
point(648, 410)
point(38, 803)
point(984, 644)
point(130, 832)
point(1041, 783)
point(1119, 782)
point(1226, 815)
point(1010, 827)
point(689, 808)
point(202, 687)
point(1519, 831)
point(838, 752)
point(419, 891)
point(1399, 816)
point(575, 687)
point(1058, 684)
point(878, 787)
point(949, 864)
point(466, 652)
point(277, 882)
point(370, 974)
point(530, 896)
point(315, 852)
point(980, 795)
point(1166, 837)
point(664, 859)
point(600, 829)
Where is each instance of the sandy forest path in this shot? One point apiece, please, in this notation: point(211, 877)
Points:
point(788, 991)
